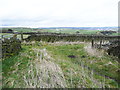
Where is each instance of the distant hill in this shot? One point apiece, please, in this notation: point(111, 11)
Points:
point(79, 28)
point(83, 28)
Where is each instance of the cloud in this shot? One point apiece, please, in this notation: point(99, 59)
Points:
point(45, 13)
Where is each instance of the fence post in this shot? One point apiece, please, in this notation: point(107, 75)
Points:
point(100, 43)
point(92, 42)
point(15, 36)
point(2, 36)
point(21, 36)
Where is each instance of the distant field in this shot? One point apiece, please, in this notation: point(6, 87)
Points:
point(70, 31)
point(20, 29)
point(7, 35)
point(74, 31)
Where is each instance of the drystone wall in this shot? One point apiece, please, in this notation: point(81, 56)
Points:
point(114, 49)
point(10, 46)
point(52, 37)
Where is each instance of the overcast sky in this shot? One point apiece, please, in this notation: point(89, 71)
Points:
point(59, 13)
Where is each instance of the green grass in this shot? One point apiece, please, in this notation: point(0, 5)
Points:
point(70, 31)
point(74, 70)
point(61, 53)
point(15, 67)
point(115, 34)
point(20, 29)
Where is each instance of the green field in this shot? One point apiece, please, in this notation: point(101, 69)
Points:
point(83, 70)
point(19, 29)
point(70, 65)
point(7, 35)
point(70, 31)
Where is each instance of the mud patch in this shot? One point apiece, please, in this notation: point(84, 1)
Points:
point(71, 56)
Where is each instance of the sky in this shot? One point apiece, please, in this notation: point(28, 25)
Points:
point(59, 13)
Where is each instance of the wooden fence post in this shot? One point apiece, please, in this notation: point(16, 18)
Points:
point(2, 36)
point(92, 42)
point(21, 36)
point(15, 36)
point(100, 43)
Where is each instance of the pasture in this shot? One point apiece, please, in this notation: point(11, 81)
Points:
point(62, 30)
point(59, 64)
point(77, 67)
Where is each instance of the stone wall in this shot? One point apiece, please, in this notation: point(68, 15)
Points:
point(10, 46)
point(114, 49)
point(52, 37)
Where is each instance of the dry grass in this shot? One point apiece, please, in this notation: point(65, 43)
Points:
point(43, 73)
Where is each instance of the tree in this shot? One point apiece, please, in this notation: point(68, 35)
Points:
point(77, 32)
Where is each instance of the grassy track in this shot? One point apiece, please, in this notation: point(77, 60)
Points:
point(81, 71)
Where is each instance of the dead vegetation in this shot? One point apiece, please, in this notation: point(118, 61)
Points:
point(93, 51)
point(43, 73)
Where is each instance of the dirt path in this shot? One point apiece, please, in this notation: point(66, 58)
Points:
point(44, 73)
